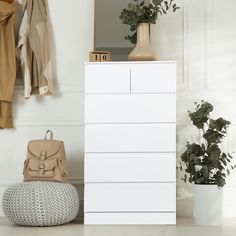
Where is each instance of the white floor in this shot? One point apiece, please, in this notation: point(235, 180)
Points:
point(184, 227)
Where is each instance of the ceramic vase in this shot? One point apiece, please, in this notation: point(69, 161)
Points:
point(208, 200)
point(142, 50)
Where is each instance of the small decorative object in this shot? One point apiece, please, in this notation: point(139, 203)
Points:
point(46, 160)
point(206, 165)
point(100, 56)
point(39, 203)
point(139, 16)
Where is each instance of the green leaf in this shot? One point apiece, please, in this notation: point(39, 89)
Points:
point(221, 182)
point(150, 6)
point(201, 114)
point(164, 11)
point(156, 2)
point(166, 5)
point(213, 136)
point(220, 124)
point(199, 180)
point(196, 160)
point(205, 172)
point(142, 3)
point(133, 28)
point(203, 146)
point(185, 178)
point(214, 152)
point(224, 162)
point(229, 155)
point(176, 8)
point(204, 162)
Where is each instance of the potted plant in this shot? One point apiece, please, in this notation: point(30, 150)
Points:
point(139, 15)
point(206, 165)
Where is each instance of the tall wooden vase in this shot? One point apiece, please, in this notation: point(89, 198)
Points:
point(142, 51)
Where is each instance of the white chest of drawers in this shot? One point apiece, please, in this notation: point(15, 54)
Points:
point(130, 143)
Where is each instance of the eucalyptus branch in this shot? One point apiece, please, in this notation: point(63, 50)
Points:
point(205, 162)
point(144, 11)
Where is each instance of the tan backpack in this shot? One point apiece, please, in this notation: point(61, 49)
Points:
point(46, 160)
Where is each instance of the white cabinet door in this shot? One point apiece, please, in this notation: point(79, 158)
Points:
point(130, 108)
point(153, 78)
point(130, 167)
point(130, 197)
point(107, 78)
point(130, 138)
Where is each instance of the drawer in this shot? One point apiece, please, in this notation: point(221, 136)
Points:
point(124, 218)
point(130, 167)
point(152, 78)
point(130, 197)
point(128, 108)
point(107, 78)
point(130, 138)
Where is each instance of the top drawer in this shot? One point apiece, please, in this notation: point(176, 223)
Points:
point(153, 78)
point(110, 78)
point(156, 77)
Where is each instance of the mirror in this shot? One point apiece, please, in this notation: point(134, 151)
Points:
point(109, 33)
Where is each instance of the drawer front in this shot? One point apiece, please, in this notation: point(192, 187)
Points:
point(130, 218)
point(130, 138)
point(130, 167)
point(122, 108)
point(107, 79)
point(153, 78)
point(130, 197)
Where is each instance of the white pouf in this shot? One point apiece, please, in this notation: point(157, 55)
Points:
point(40, 203)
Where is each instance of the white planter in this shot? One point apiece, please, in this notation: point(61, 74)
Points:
point(208, 204)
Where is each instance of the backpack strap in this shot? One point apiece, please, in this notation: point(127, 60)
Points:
point(46, 135)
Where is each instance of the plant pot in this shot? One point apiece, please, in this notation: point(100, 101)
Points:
point(208, 204)
point(142, 51)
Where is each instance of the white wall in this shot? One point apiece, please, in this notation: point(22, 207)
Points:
point(72, 23)
point(201, 42)
point(201, 37)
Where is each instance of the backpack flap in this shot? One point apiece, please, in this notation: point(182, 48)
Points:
point(42, 169)
point(46, 148)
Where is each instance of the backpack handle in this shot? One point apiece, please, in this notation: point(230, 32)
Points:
point(46, 135)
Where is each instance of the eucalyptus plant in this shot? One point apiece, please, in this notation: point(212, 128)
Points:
point(144, 11)
point(205, 162)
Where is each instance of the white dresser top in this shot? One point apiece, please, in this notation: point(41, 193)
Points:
point(130, 62)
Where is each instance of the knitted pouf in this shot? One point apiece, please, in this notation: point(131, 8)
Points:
point(40, 203)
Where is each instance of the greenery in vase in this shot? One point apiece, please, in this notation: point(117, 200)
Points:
point(205, 162)
point(144, 11)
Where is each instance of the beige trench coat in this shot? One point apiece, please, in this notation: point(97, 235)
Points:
point(7, 62)
point(33, 49)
